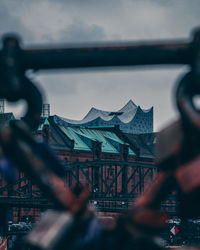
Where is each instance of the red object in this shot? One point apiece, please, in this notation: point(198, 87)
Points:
point(174, 230)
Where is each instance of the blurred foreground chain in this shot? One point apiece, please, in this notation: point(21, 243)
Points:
point(73, 225)
point(177, 159)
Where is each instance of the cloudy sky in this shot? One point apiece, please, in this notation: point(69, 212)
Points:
point(72, 93)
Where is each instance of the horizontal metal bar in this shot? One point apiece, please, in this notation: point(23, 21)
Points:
point(108, 55)
point(44, 203)
point(38, 202)
point(86, 164)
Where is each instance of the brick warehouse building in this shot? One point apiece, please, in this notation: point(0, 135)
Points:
point(116, 166)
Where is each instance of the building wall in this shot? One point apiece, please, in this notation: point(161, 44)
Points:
point(100, 178)
point(106, 180)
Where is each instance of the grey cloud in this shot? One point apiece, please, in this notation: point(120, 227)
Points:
point(58, 84)
point(8, 23)
point(79, 31)
point(39, 21)
point(90, 3)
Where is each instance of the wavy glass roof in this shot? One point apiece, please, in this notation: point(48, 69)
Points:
point(130, 119)
point(125, 114)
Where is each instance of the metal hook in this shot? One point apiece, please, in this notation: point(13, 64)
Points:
point(15, 85)
point(186, 90)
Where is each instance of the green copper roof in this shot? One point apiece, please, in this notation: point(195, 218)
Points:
point(97, 135)
point(130, 152)
point(78, 143)
point(46, 122)
point(40, 127)
point(84, 138)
